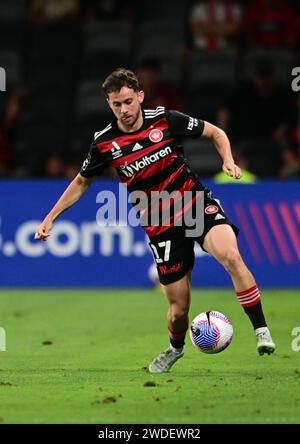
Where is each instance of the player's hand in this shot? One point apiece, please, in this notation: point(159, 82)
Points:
point(231, 169)
point(42, 233)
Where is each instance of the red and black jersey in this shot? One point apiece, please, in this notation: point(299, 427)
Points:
point(149, 159)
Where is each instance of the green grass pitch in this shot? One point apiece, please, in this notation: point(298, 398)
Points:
point(80, 356)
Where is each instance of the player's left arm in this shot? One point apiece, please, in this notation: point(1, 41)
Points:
point(221, 142)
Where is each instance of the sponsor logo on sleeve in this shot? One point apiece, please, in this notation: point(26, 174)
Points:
point(192, 122)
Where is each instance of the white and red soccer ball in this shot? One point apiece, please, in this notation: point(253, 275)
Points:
point(211, 332)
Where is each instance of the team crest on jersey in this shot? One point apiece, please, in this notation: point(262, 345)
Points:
point(211, 209)
point(156, 135)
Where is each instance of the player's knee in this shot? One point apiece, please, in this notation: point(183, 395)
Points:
point(179, 310)
point(178, 313)
point(232, 261)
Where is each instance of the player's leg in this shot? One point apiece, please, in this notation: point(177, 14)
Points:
point(178, 296)
point(221, 243)
point(174, 275)
point(179, 299)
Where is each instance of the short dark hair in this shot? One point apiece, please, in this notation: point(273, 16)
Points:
point(119, 78)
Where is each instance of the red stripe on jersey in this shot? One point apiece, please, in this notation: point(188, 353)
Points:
point(155, 230)
point(175, 194)
point(128, 138)
point(162, 185)
point(187, 186)
point(132, 157)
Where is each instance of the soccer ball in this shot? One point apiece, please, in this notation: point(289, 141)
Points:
point(211, 332)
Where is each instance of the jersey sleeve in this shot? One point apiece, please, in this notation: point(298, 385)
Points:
point(184, 125)
point(93, 164)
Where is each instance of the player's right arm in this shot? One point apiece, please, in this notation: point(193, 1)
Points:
point(72, 194)
point(91, 168)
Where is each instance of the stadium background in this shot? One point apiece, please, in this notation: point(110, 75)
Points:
point(80, 355)
point(227, 63)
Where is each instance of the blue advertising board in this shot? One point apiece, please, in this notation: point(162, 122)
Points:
point(82, 253)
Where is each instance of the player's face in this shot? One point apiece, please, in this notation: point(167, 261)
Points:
point(126, 105)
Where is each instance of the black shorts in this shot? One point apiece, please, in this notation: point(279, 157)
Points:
point(173, 251)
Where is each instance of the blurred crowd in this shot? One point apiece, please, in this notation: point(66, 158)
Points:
point(228, 62)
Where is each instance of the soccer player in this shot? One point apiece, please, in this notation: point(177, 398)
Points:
point(142, 145)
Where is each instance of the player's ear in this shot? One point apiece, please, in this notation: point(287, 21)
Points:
point(141, 96)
